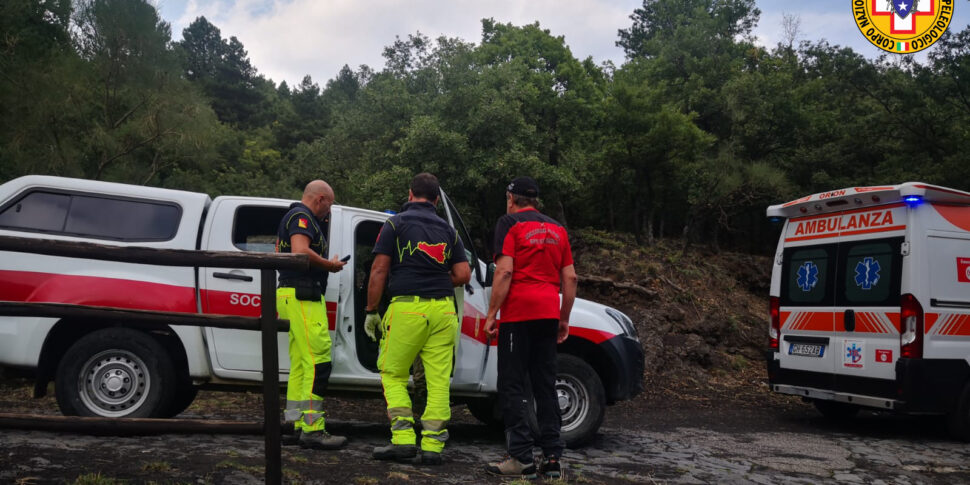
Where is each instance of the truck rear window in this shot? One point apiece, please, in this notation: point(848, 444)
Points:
point(74, 214)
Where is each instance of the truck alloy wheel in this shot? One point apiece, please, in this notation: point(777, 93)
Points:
point(582, 400)
point(115, 372)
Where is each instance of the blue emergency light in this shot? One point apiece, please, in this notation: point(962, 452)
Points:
point(913, 200)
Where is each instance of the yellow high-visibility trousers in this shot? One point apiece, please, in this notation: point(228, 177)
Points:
point(310, 365)
point(418, 327)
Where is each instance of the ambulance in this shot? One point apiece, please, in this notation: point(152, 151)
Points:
point(870, 301)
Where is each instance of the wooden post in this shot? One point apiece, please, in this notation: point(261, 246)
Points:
point(271, 378)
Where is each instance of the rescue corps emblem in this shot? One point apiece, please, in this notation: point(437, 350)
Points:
point(902, 26)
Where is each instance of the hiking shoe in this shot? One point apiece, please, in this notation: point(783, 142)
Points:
point(430, 458)
point(550, 467)
point(395, 452)
point(321, 440)
point(512, 466)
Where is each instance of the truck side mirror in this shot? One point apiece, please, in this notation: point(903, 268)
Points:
point(489, 274)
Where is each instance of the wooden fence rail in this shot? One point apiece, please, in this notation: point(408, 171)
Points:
point(267, 323)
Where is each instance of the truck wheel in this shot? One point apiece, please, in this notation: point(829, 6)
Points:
point(582, 400)
point(115, 372)
point(836, 411)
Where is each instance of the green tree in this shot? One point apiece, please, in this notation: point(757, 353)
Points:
point(221, 67)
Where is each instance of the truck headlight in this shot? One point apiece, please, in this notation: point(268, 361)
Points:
point(625, 323)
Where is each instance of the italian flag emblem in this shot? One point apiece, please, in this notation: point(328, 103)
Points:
point(902, 46)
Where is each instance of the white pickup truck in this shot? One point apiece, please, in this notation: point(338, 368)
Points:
point(103, 370)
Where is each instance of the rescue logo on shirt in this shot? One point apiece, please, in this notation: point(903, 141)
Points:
point(867, 273)
point(854, 354)
point(437, 252)
point(902, 26)
point(302, 223)
point(963, 270)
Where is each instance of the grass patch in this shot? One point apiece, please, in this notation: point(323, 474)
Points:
point(398, 476)
point(366, 481)
point(252, 469)
point(156, 466)
point(291, 475)
point(298, 459)
point(96, 479)
point(739, 363)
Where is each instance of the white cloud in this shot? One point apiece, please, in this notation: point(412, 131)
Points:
point(288, 39)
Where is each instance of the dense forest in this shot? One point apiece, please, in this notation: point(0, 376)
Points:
point(691, 137)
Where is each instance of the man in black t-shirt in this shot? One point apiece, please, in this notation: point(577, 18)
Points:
point(300, 299)
point(426, 260)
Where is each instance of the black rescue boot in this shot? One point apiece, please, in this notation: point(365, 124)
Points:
point(430, 458)
point(395, 452)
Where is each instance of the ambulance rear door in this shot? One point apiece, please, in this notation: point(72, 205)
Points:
point(869, 271)
point(806, 306)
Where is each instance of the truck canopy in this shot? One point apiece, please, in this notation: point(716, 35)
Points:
point(856, 197)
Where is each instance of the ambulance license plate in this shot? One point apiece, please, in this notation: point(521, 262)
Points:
point(806, 350)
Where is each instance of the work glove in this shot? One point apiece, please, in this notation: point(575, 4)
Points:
point(370, 325)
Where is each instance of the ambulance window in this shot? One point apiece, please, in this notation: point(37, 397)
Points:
point(870, 273)
point(806, 276)
point(37, 211)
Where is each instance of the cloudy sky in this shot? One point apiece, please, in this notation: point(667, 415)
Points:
point(288, 39)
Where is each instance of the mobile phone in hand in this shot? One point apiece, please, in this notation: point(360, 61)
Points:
point(345, 259)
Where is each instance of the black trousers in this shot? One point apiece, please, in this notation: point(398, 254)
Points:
point(527, 355)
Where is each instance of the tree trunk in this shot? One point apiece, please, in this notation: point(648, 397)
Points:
point(650, 217)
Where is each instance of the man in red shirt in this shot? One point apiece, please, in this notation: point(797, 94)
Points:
point(533, 262)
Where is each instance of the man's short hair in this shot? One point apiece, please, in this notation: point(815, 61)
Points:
point(425, 186)
point(523, 201)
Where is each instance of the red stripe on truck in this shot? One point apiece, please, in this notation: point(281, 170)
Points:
point(28, 286)
point(247, 305)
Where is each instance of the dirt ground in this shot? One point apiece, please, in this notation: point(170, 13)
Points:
point(700, 317)
point(37, 457)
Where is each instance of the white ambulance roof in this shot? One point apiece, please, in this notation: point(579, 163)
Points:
point(853, 197)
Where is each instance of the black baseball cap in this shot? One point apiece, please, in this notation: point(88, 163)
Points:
point(524, 186)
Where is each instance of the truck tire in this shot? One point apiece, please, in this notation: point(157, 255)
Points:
point(582, 400)
point(115, 372)
point(185, 393)
point(836, 411)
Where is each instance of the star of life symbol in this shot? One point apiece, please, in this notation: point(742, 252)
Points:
point(902, 22)
point(807, 276)
point(853, 353)
point(867, 273)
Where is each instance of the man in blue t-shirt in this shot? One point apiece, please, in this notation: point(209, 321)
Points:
point(426, 261)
